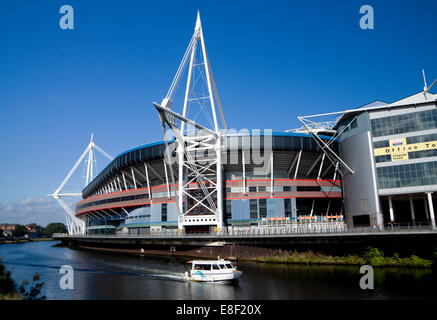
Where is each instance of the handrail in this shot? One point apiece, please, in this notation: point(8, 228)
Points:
point(319, 228)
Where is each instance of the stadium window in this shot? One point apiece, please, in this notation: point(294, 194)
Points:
point(253, 208)
point(262, 208)
point(228, 214)
point(287, 207)
point(164, 212)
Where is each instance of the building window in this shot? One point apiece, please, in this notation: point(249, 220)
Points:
point(164, 212)
point(261, 189)
point(287, 188)
point(306, 188)
point(262, 208)
point(287, 207)
point(253, 203)
point(384, 158)
point(228, 209)
point(252, 189)
point(409, 122)
point(409, 175)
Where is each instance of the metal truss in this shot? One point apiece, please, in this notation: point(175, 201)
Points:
point(75, 225)
point(199, 146)
point(314, 129)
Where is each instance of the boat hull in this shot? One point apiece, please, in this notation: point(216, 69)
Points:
point(215, 277)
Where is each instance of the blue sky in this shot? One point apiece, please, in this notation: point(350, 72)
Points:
point(272, 61)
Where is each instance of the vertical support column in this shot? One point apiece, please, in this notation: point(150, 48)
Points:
point(181, 185)
point(124, 180)
point(133, 178)
point(271, 176)
point(413, 217)
point(148, 183)
point(335, 170)
point(244, 170)
point(329, 204)
point(119, 184)
point(312, 207)
point(219, 183)
point(431, 209)
point(166, 179)
point(321, 166)
point(426, 208)
point(390, 205)
point(297, 164)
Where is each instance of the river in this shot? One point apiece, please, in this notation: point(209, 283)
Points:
point(117, 276)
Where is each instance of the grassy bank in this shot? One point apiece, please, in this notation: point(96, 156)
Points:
point(371, 256)
point(11, 241)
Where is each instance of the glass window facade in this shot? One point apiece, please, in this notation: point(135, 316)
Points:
point(287, 207)
point(262, 208)
point(408, 175)
point(164, 212)
point(228, 209)
point(422, 138)
point(409, 122)
point(384, 158)
point(253, 208)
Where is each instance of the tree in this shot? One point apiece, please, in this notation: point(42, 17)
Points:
point(19, 231)
point(55, 227)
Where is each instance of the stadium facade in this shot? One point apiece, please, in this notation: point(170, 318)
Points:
point(289, 181)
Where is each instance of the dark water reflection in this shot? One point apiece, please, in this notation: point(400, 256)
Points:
point(115, 276)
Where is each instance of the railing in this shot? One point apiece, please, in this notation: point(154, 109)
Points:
point(317, 228)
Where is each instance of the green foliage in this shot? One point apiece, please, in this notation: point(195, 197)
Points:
point(434, 259)
point(7, 285)
point(19, 231)
point(8, 289)
point(373, 256)
point(34, 291)
point(55, 227)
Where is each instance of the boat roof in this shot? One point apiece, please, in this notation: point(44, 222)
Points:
point(209, 261)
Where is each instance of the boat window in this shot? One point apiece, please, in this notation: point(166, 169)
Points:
point(202, 267)
point(222, 266)
point(229, 266)
point(215, 267)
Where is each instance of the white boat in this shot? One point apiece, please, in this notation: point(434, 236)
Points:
point(213, 271)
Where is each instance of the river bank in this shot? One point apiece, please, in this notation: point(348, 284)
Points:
point(13, 241)
point(371, 256)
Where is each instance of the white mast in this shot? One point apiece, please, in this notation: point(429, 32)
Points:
point(75, 225)
point(205, 172)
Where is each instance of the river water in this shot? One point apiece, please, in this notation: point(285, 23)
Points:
point(118, 276)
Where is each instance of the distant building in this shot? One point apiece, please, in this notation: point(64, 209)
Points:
point(33, 228)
